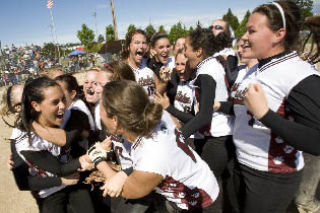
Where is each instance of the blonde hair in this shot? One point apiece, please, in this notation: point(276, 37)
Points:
point(6, 108)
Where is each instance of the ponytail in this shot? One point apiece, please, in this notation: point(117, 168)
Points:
point(129, 102)
point(151, 117)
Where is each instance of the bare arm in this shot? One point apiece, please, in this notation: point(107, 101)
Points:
point(105, 169)
point(140, 184)
point(54, 135)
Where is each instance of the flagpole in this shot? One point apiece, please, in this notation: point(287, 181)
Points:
point(54, 30)
point(55, 50)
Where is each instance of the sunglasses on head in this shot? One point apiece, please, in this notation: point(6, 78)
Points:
point(216, 27)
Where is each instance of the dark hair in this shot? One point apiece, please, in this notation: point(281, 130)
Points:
point(70, 80)
point(9, 104)
point(130, 103)
point(33, 91)
point(293, 17)
point(204, 38)
point(157, 36)
point(125, 52)
point(224, 38)
point(71, 83)
point(122, 71)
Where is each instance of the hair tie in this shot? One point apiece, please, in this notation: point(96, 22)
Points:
point(281, 12)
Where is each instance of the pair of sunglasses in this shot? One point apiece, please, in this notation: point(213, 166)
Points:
point(216, 27)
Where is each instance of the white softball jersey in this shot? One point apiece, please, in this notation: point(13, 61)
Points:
point(187, 180)
point(144, 77)
point(228, 51)
point(38, 144)
point(122, 146)
point(256, 145)
point(184, 97)
point(221, 124)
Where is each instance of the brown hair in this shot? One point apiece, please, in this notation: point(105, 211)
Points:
point(293, 17)
point(313, 23)
point(125, 53)
point(157, 36)
point(122, 71)
point(130, 103)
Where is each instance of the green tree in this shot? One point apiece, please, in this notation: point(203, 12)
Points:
point(190, 29)
point(95, 48)
point(242, 26)
point(49, 50)
point(177, 31)
point(231, 19)
point(100, 38)
point(131, 27)
point(306, 7)
point(198, 25)
point(86, 36)
point(109, 33)
point(161, 29)
point(150, 31)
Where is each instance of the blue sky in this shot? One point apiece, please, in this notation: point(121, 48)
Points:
point(28, 21)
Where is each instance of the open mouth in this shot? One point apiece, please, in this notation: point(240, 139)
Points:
point(139, 54)
point(90, 91)
point(164, 57)
point(181, 76)
point(60, 115)
point(246, 45)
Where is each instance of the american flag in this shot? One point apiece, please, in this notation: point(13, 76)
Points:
point(49, 4)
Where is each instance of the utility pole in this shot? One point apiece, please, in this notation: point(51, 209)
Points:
point(114, 21)
point(95, 21)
